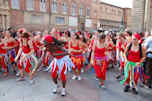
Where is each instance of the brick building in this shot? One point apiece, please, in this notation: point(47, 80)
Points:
point(63, 14)
point(110, 16)
point(127, 17)
point(4, 14)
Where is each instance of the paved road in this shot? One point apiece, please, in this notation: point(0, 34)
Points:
point(85, 90)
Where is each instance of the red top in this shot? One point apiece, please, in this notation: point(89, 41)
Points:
point(77, 47)
point(66, 45)
point(35, 46)
point(134, 56)
point(59, 57)
point(110, 47)
point(120, 46)
point(100, 52)
point(10, 44)
point(2, 51)
point(26, 49)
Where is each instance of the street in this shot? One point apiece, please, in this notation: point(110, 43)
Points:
point(85, 90)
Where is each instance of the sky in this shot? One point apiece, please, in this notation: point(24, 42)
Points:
point(121, 3)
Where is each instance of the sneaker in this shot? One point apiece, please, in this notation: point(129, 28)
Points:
point(20, 79)
point(31, 81)
point(134, 90)
point(63, 93)
point(74, 77)
point(102, 86)
point(55, 89)
point(17, 74)
point(79, 78)
point(45, 70)
point(97, 79)
point(126, 89)
point(118, 77)
point(147, 87)
point(82, 70)
point(5, 74)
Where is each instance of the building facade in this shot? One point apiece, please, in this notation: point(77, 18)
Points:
point(4, 14)
point(111, 17)
point(142, 15)
point(63, 14)
point(127, 18)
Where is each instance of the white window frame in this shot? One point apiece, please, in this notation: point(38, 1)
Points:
point(81, 10)
point(43, 5)
point(60, 17)
point(54, 6)
point(15, 4)
point(88, 11)
point(73, 10)
point(64, 7)
point(30, 5)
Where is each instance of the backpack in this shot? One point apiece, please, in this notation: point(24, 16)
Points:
point(140, 50)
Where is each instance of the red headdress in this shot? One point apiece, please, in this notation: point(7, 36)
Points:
point(49, 39)
point(137, 36)
point(21, 30)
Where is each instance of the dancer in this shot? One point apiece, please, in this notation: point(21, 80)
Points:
point(98, 59)
point(58, 66)
point(135, 55)
point(76, 56)
point(3, 54)
point(26, 56)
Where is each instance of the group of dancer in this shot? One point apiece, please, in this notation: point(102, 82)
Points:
point(60, 52)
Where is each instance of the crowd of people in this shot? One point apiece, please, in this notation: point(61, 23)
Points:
point(22, 51)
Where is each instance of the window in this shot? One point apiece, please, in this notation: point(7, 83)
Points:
point(95, 13)
point(60, 20)
point(81, 11)
point(30, 4)
point(88, 12)
point(94, 1)
point(54, 6)
point(73, 9)
point(15, 4)
point(43, 5)
point(64, 7)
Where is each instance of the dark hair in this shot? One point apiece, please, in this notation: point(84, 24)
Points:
point(68, 33)
point(121, 35)
point(57, 42)
point(77, 36)
point(25, 35)
point(129, 33)
point(84, 39)
point(103, 36)
point(90, 35)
